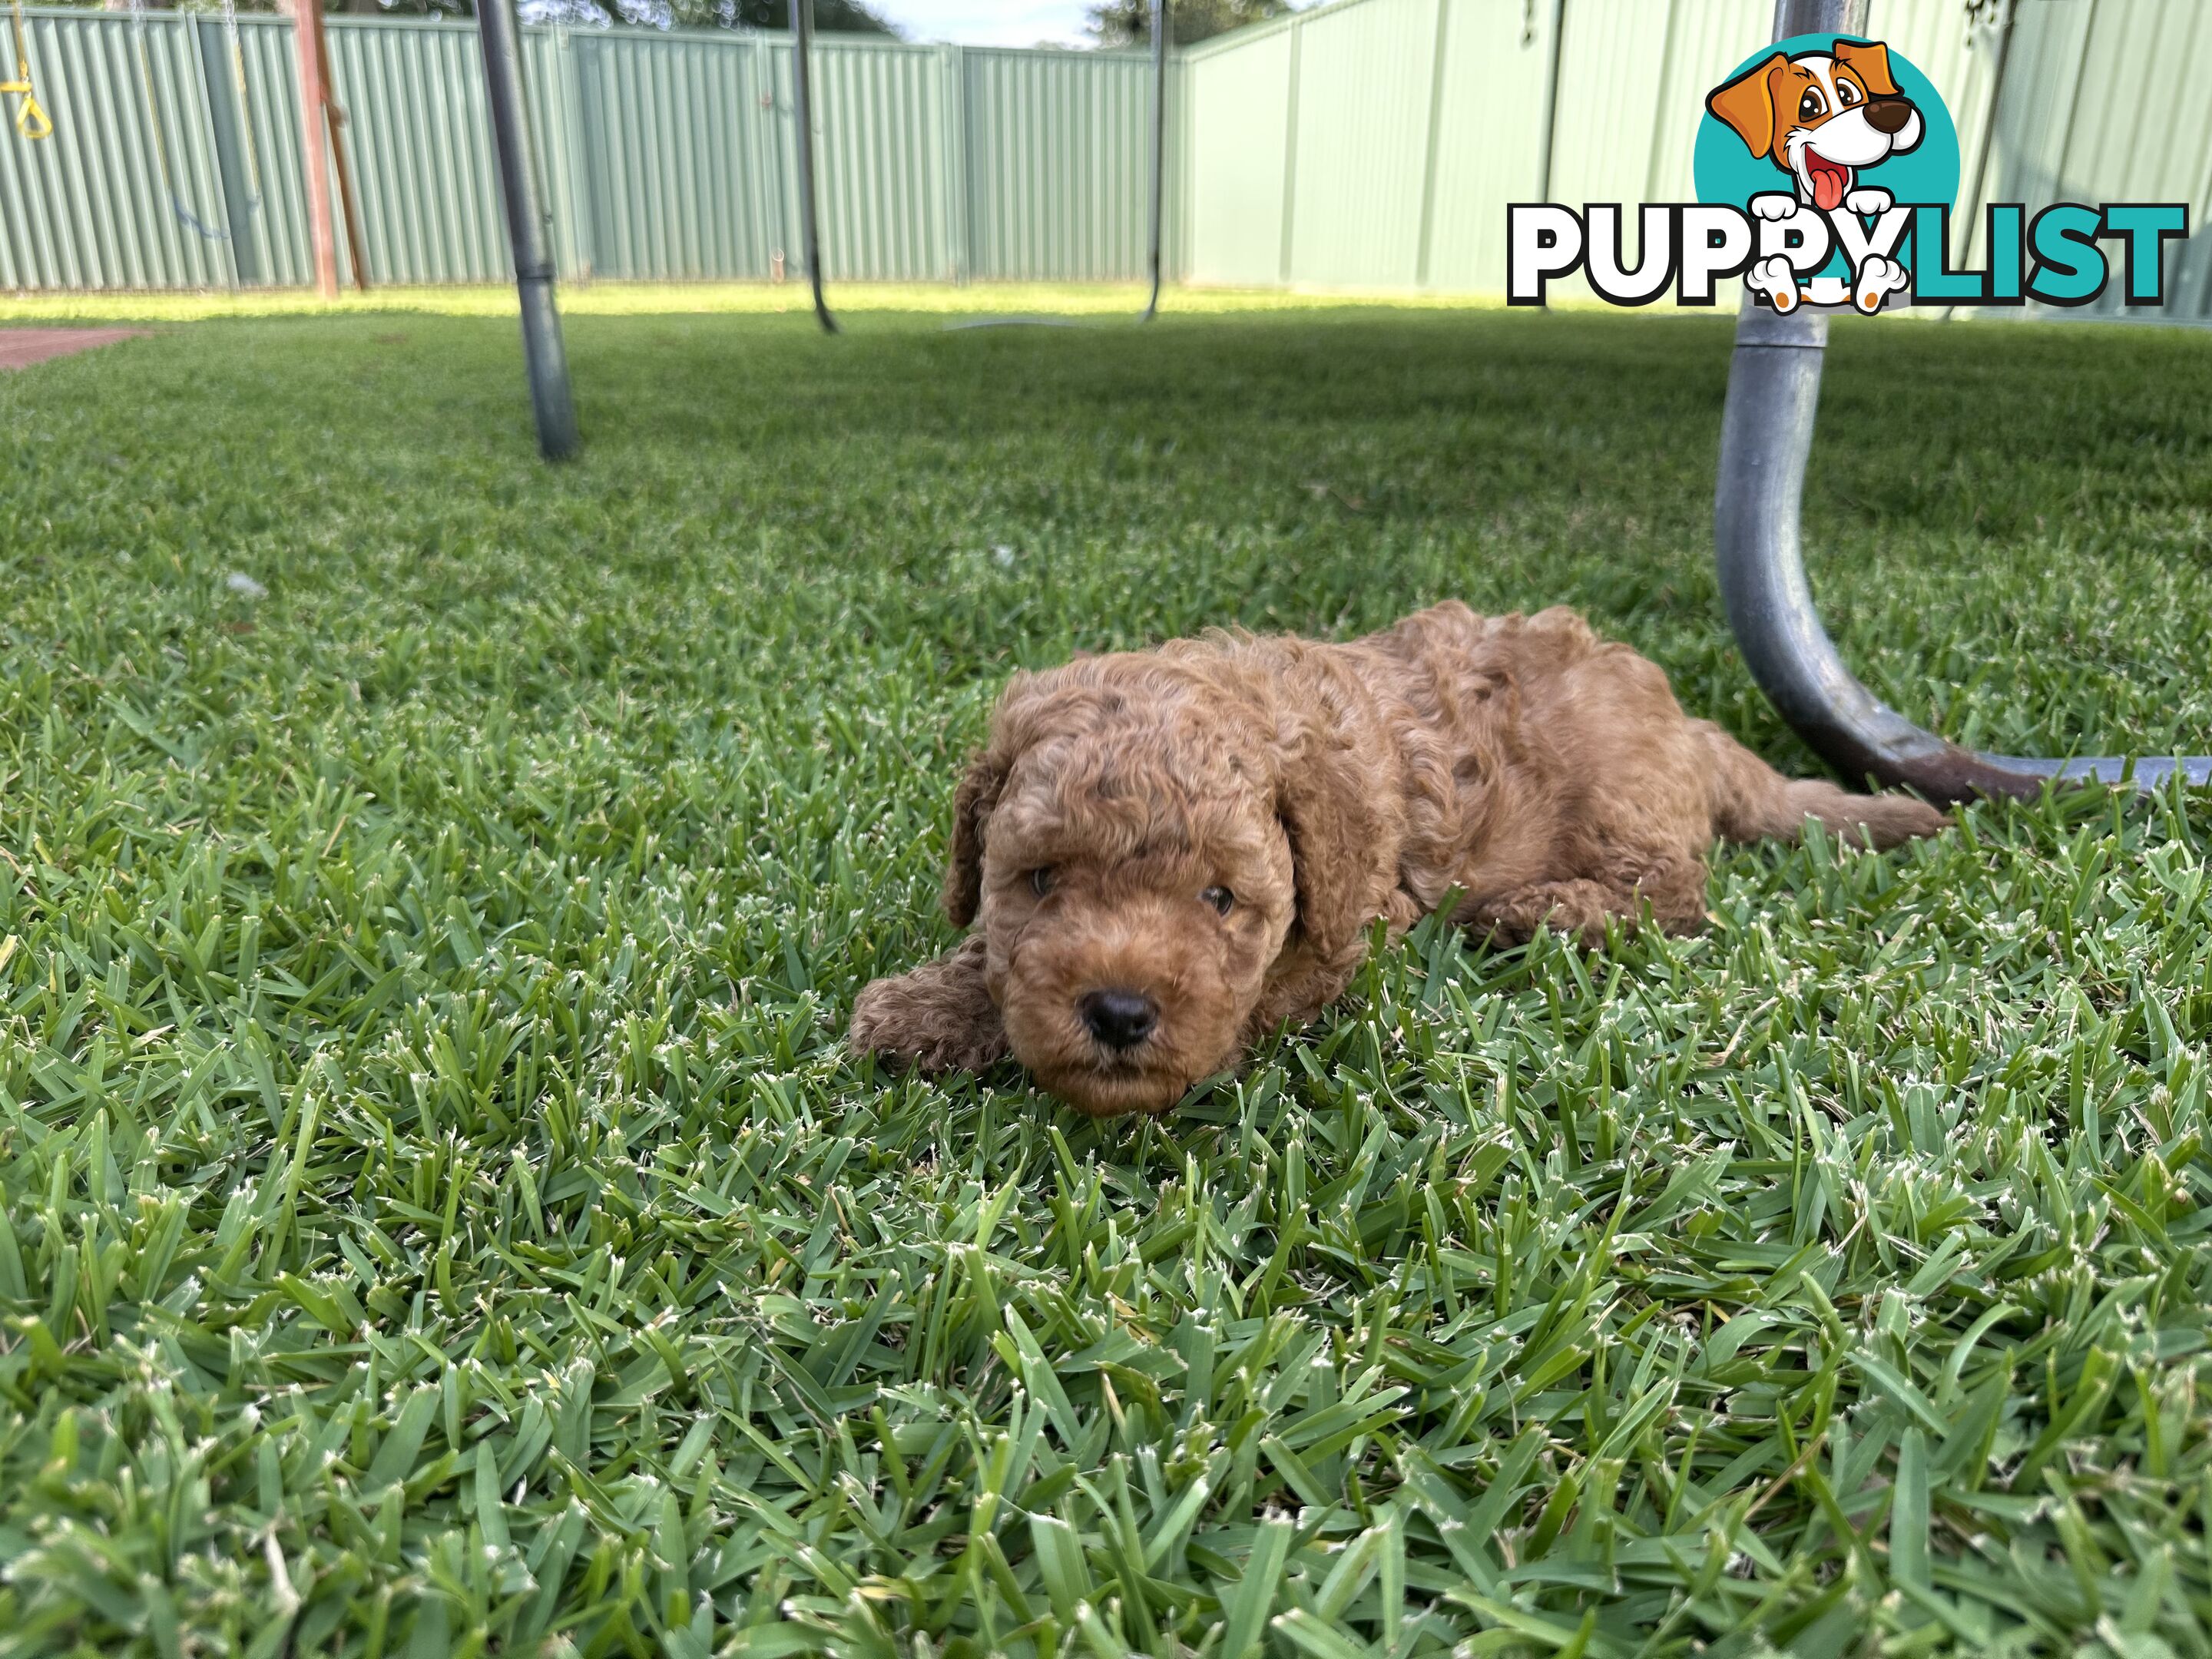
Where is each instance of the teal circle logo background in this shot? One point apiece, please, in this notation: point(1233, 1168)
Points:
point(1728, 174)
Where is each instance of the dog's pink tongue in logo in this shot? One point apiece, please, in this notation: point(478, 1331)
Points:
point(1829, 182)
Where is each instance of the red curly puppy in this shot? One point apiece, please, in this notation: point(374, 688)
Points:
point(1167, 853)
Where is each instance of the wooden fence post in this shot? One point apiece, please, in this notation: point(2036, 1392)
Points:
point(314, 169)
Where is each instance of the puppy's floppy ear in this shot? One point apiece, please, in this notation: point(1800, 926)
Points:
point(1870, 63)
point(1746, 104)
point(1327, 802)
point(1013, 719)
point(971, 807)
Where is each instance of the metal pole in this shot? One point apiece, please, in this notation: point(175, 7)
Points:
point(542, 350)
point(802, 115)
point(1156, 207)
point(1820, 17)
point(1766, 434)
point(314, 169)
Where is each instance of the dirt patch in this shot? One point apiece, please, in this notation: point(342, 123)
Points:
point(21, 347)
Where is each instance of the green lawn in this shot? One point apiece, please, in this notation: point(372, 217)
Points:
point(440, 1215)
point(1096, 300)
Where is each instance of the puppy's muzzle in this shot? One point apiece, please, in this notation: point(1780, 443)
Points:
point(1888, 114)
point(1120, 1019)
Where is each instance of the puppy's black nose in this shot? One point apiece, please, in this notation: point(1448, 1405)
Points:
point(1888, 114)
point(1120, 1019)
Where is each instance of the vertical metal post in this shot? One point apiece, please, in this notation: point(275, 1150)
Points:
point(1155, 206)
point(1819, 17)
point(314, 169)
point(802, 115)
point(542, 350)
point(1550, 120)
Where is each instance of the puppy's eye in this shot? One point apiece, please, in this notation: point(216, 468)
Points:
point(1220, 898)
point(1846, 94)
point(1041, 880)
point(1811, 106)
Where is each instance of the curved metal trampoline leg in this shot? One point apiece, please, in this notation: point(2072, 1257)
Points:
point(802, 114)
point(1766, 434)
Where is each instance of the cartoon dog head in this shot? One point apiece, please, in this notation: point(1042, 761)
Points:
point(1820, 117)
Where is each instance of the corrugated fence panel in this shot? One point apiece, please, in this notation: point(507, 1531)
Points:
point(663, 156)
point(1609, 104)
point(110, 199)
point(1055, 147)
point(2142, 127)
point(2100, 100)
point(1489, 136)
point(1609, 107)
point(2110, 102)
point(2183, 175)
point(670, 176)
point(550, 79)
point(1240, 98)
point(1177, 229)
point(1705, 38)
point(278, 230)
point(2044, 63)
point(1365, 77)
point(880, 165)
point(1960, 55)
point(419, 140)
point(1369, 143)
point(172, 110)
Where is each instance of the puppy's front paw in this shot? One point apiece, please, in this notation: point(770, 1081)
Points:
point(1867, 200)
point(1877, 279)
point(1773, 204)
point(939, 1018)
point(1777, 278)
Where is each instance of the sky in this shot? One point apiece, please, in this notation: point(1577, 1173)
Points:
point(989, 22)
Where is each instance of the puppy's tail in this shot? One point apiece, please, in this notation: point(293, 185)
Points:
point(1751, 801)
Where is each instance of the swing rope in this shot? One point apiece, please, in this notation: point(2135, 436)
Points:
point(186, 216)
point(31, 120)
point(244, 101)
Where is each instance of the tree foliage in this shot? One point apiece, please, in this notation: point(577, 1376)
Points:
point(847, 16)
point(1129, 22)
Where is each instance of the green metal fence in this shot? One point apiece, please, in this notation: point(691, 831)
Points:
point(175, 162)
point(2110, 100)
point(1369, 144)
point(1376, 143)
point(175, 159)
